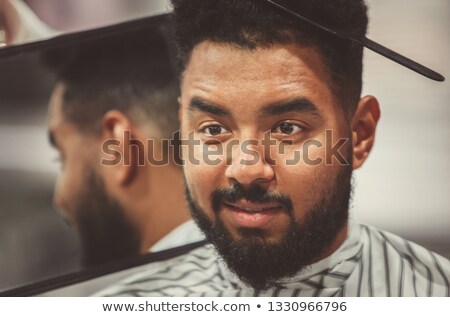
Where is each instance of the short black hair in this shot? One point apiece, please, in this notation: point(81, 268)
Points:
point(126, 71)
point(250, 24)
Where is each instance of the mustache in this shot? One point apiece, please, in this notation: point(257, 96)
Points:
point(254, 193)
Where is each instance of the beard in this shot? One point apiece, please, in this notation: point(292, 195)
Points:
point(106, 235)
point(260, 263)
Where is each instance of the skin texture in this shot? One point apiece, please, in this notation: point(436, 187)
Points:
point(132, 191)
point(243, 84)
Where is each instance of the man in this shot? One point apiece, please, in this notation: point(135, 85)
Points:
point(271, 107)
point(113, 96)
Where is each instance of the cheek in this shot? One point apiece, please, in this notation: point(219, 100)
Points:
point(67, 190)
point(204, 170)
point(62, 194)
point(202, 179)
point(330, 147)
point(299, 182)
point(303, 174)
point(306, 186)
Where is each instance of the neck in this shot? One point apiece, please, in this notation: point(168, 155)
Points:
point(340, 238)
point(158, 203)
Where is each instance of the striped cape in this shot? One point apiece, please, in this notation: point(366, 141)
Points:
point(370, 262)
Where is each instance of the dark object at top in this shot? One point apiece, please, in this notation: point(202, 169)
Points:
point(363, 41)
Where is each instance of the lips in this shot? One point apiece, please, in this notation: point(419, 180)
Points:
point(247, 206)
point(252, 215)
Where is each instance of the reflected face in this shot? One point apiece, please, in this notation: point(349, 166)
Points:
point(80, 194)
point(258, 202)
point(76, 153)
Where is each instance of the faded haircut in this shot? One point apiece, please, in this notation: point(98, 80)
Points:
point(250, 24)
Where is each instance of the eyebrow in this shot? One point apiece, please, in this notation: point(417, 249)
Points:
point(301, 105)
point(198, 104)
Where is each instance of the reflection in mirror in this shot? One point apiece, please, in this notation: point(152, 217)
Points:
point(34, 241)
point(120, 90)
point(26, 21)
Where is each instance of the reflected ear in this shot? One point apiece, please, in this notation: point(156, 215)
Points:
point(120, 142)
point(364, 125)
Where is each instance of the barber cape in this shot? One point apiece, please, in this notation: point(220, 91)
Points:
point(370, 262)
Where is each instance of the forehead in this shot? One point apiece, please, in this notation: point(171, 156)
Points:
point(60, 128)
point(55, 116)
point(258, 76)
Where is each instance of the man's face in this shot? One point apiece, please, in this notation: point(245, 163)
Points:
point(268, 212)
point(80, 193)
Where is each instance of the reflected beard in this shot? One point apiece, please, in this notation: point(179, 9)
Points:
point(106, 234)
point(260, 263)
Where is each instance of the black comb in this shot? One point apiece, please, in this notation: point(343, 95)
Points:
point(368, 43)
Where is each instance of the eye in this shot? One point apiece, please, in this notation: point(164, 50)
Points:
point(288, 128)
point(213, 130)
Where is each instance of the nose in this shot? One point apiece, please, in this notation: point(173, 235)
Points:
point(247, 164)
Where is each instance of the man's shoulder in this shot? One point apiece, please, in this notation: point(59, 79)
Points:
point(403, 247)
point(187, 232)
point(387, 251)
point(179, 276)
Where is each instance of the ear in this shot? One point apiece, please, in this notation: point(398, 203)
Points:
point(118, 133)
point(364, 125)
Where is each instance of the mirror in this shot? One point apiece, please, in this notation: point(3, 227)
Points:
point(126, 67)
